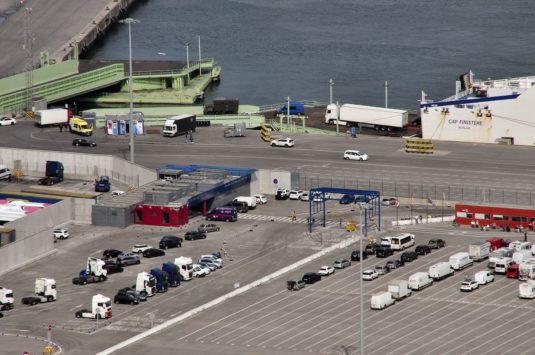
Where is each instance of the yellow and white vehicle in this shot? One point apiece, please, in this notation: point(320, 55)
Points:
point(80, 126)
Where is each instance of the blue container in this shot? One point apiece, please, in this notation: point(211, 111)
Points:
point(354, 132)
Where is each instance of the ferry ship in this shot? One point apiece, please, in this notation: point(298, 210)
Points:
point(492, 111)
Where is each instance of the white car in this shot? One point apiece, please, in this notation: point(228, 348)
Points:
point(260, 199)
point(61, 234)
point(469, 285)
point(369, 275)
point(326, 270)
point(355, 155)
point(295, 194)
point(317, 197)
point(140, 248)
point(305, 196)
point(283, 142)
point(200, 271)
point(7, 121)
point(117, 192)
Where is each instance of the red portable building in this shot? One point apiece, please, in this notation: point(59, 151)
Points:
point(495, 216)
point(164, 216)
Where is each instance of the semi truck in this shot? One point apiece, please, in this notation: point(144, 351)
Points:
point(53, 173)
point(173, 273)
point(185, 266)
point(52, 117)
point(178, 125)
point(80, 126)
point(222, 106)
point(379, 118)
point(399, 289)
point(100, 308)
point(146, 284)
point(162, 280)
point(6, 299)
point(479, 250)
point(45, 291)
point(102, 184)
point(94, 272)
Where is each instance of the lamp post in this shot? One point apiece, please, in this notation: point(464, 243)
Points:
point(361, 298)
point(129, 21)
point(200, 60)
point(331, 83)
point(187, 58)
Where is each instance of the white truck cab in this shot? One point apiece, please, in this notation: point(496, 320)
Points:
point(95, 267)
point(146, 283)
point(6, 298)
point(185, 265)
point(46, 288)
point(100, 308)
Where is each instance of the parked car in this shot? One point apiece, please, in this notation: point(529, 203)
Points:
point(389, 201)
point(211, 266)
point(371, 248)
point(342, 263)
point(200, 271)
point(436, 243)
point(283, 142)
point(394, 264)
point(295, 285)
point(240, 206)
point(125, 259)
point(305, 196)
point(422, 249)
point(311, 277)
point(61, 234)
point(384, 252)
point(7, 121)
point(260, 199)
point(369, 275)
point(115, 193)
point(347, 199)
point(194, 235)
point(126, 296)
point(355, 255)
point(84, 142)
point(170, 241)
point(362, 200)
point(469, 285)
point(216, 262)
point(112, 267)
point(208, 228)
point(140, 248)
point(153, 252)
point(111, 253)
point(382, 269)
point(326, 270)
point(408, 256)
point(282, 194)
point(295, 194)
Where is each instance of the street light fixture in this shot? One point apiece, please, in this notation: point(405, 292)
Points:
point(129, 21)
point(187, 58)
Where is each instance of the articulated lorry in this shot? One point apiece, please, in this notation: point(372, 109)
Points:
point(53, 173)
point(380, 118)
point(6, 299)
point(222, 107)
point(45, 291)
point(94, 272)
point(178, 125)
point(52, 117)
point(100, 308)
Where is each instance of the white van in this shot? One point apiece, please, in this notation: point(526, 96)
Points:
point(419, 280)
point(381, 300)
point(526, 290)
point(440, 271)
point(521, 256)
point(483, 277)
point(460, 261)
point(5, 173)
point(249, 200)
point(502, 264)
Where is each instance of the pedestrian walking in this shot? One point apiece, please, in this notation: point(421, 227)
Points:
point(187, 137)
point(525, 236)
point(61, 127)
point(191, 136)
point(294, 217)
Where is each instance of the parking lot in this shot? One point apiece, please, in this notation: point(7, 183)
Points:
point(323, 318)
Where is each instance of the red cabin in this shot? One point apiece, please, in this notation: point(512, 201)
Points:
point(497, 243)
point(499, 216)
point(512, 271)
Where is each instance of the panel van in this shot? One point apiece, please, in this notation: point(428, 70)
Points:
point(460, 261)
point(419, 281)
point(223, 214)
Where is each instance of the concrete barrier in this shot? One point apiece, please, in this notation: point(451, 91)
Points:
point(228, 296)
point(406, 222)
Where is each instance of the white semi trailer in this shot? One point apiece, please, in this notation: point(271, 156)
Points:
point(380, 118)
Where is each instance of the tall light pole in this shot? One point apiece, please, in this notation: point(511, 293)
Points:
point(361, 323)
point(187, 58)
point(331, 83)
point(386, 94)
point(199, 43)
point(129, 21)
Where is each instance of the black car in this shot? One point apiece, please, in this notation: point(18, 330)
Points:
point(422, 249)
point(84, 142)
point(383, 252)
point(436, 243)
point(112, 267)
point(371, 248)
point(281, 195)
point(193, 235)
point(127, 296)
point(311, 277)
point(408, 256)
point(111, 253)
point(153, 252)
point(394, 264)
point(170, 241)
point(241, 207)
point(355, 255)
point(347, 199)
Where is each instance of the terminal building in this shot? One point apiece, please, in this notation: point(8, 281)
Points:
point(493, 111)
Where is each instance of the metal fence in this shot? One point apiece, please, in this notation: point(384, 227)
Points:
point(472, 194)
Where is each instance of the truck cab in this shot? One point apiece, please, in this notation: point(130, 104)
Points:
point(100, 308)
point(6, 299)
point(102, 184)
point(173, 273)
point(162, 280)
point(146, 283)
point(185, 266)
point(53, 173)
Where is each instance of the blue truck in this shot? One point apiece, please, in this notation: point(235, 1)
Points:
point(173, 273)
point(162, 282)
point(102, 184)
point(53, 173)
point(296, 108)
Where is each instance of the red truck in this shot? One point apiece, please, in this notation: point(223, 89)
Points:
point(497, 243)
point(512, 271)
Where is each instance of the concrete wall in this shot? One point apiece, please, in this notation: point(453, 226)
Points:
point(77, 165)
point(24, 251)
point(268, 181)
point(81, 211)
